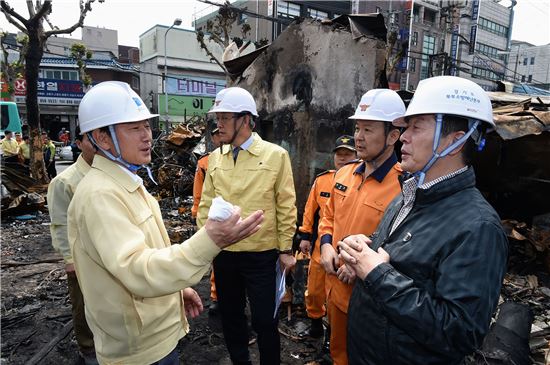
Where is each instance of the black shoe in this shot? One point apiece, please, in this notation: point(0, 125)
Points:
point(214, 310)
point(316, 329)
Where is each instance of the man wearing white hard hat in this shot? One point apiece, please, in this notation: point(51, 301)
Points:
point(134, 282)
point(360, 192)
point(429, 279)
point(253, 174)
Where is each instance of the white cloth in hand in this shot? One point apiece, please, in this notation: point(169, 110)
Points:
point(220, 210)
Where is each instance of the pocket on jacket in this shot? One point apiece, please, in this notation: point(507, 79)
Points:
point(339, 196)
point(132, 319)
point(142, 215)
point(260, 179)
point(156, 313)
point(376, 207)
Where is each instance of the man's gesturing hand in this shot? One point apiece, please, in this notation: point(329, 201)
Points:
point(233, 229)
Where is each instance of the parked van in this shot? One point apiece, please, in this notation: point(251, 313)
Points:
point(9, 118)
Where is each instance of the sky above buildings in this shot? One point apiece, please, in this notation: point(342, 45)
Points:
point(133, 17)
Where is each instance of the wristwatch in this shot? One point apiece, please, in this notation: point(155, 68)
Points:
point(288, 252)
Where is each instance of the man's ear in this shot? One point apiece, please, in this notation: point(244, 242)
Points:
point(103, 139)
point(393, 136)
point(456, 136)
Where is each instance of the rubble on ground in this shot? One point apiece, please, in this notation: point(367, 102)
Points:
point(173, 168)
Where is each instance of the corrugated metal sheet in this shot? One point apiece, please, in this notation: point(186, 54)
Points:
point(519, 115)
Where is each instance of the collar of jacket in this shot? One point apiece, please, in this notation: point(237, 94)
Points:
point(115, 172)
point(380, 173)
point(254, 148)
point(82, 166)
point(465, 180)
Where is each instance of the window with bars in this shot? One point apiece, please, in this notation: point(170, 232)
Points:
point(428, 48)
point(486, 74)
point(58, 75)
point(429, 17)
point(490, 51)
point(287, 9)
point(493, 27)
point(415, 38)
point(317, 14)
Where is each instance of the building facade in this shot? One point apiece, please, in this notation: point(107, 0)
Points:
point(530, 64)
point(450, 37)
point(485, 31)
point(193, 79)
point(285, 11)
point(59, 87)
point(397, 15)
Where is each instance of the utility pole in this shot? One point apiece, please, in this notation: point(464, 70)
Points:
point(177, 21)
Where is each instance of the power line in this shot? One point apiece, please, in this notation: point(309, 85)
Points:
point(533, 3)
point(117, 66)
point(421, 58)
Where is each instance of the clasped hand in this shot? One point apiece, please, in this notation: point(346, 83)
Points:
point(359, 257)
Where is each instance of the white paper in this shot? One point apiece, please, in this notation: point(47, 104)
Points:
point(220, 210)
point(280, 286)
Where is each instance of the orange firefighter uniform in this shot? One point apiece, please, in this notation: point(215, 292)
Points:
point(355, 206)
point(313, 212)
point(202, 166)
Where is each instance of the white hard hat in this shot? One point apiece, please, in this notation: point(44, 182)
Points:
point(382, 105)
point(234, 100)
point(108, 103)
point(450, 95)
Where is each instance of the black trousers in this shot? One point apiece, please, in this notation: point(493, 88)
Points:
point(252, 274)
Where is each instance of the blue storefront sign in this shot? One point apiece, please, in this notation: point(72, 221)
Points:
point(51, 91)
point(194, 86)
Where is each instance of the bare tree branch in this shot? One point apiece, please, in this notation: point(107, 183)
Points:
point(9, 13)
point(84, 8)
point(217, 39)
point(47, 19)
point(30, 7)
point(41, 12)
point(211, 55)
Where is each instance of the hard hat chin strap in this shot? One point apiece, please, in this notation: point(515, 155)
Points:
point(235, 129)
point(373, 160)
point(421, 175)
point(131, 167)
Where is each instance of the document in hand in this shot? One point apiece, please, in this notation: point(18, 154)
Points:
point(280, 286)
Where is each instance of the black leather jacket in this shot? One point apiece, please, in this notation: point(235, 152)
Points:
point(432, 304)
